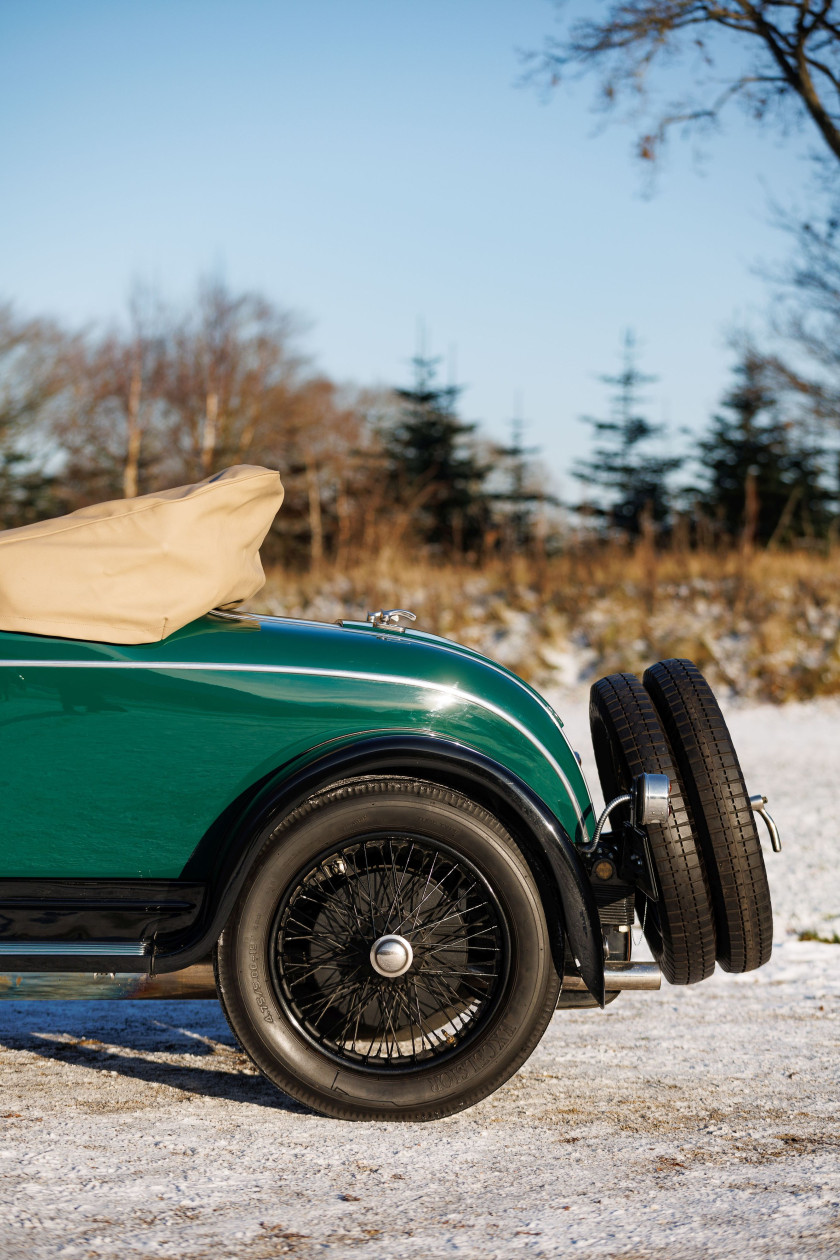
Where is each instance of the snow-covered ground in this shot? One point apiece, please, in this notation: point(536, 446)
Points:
point(699, 1122)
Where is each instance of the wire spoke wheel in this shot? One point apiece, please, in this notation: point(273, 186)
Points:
point(388, 956)
point(389, 952)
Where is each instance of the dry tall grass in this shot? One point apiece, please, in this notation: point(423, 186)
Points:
point(760, 624)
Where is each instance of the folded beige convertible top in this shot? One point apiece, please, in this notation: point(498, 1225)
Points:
point(135, 570)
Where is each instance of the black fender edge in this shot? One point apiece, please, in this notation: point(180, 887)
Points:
point(564, 887)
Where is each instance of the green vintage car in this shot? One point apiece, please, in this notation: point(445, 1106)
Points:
point(374, 845)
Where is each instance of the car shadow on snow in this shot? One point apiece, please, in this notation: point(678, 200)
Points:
point(136, 1048)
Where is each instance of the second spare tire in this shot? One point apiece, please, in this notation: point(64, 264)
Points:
point(720, 806)
point(628, 739)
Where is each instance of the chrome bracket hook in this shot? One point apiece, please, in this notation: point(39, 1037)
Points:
point(759, 804)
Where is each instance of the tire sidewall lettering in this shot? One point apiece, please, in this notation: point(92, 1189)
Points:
point(257, 982)
point(448, 1077)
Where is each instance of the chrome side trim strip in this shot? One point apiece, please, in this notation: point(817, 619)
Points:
point(451, 649)
point(74, 949)
point(351, 675)
point(196, 982)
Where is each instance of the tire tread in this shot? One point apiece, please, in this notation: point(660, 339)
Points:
point(686, 951)
point(726, 824)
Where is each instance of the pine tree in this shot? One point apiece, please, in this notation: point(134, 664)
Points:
point(520, 496)
point(432, 469)
point(763, 479)
point(631, 482)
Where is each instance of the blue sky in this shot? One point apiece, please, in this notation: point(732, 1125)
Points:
point(369, 163)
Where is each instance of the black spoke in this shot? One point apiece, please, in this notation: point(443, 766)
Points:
point(453, 944)
point(356, 1009)
point(427, 1035)
point(397, 901)
point(455, 911)
point(435, 906)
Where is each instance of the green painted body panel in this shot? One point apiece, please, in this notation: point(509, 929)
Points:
point(115, 761)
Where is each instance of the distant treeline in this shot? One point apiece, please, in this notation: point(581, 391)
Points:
point(168, 397)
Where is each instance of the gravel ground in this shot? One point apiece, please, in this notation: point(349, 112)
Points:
point(687, 1123)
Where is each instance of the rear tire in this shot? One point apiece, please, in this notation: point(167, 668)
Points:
point(628, 740)
point(413, 862)
point(722, 813)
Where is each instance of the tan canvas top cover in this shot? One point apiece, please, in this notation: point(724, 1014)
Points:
point(135, 570)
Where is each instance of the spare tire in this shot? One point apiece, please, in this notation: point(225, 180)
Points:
point(628, 740)
point(720, 805)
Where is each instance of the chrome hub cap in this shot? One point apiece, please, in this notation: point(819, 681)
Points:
point(391, 956)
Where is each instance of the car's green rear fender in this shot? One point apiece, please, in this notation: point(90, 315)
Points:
point(120, 760)
point(565, 890)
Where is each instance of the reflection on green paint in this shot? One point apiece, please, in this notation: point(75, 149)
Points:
point(110, 770)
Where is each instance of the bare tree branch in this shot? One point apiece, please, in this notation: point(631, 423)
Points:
point(793, 47)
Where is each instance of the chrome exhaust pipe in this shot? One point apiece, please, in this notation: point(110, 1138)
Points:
point(620, 976)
